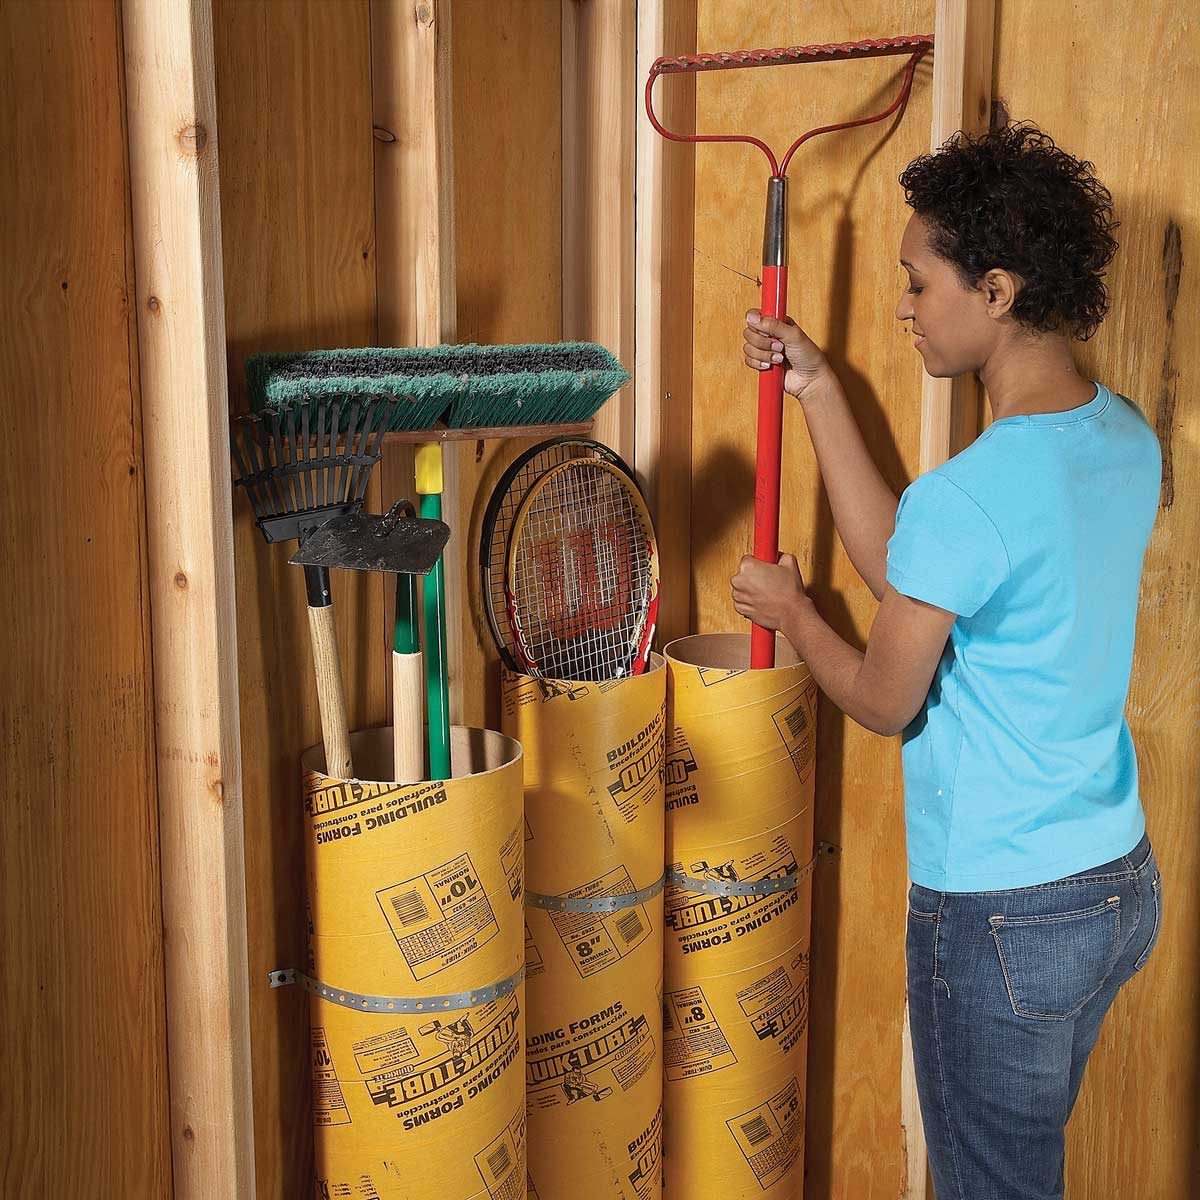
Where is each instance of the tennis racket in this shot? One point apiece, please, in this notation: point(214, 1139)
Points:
point(581, 584)
point(506, 498)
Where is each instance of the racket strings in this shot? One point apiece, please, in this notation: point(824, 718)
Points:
point(582, 576)
point(514, 485)
point(515, 493)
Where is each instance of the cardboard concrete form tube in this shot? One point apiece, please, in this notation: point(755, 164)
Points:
point(594, 828)
point(740, 759)
point(415, 891)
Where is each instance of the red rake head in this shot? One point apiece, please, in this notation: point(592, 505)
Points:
point(915, 47)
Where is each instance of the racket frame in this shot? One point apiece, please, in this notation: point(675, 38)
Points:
point(491, 579)
point(639, 658)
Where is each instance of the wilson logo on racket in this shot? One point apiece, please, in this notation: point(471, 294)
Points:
point(581, 579)
point(502, 507)
point(586, 580)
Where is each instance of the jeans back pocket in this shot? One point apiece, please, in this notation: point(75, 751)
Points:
point(1156, 925)
point(1055, 963)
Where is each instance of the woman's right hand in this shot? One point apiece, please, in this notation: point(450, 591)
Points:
point(770, 341)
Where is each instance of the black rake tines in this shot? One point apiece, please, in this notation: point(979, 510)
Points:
point(308, 463)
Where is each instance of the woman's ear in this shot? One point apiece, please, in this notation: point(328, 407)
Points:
point(1000, 289)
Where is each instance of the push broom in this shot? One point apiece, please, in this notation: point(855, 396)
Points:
point(774, 269)
point(463, 387)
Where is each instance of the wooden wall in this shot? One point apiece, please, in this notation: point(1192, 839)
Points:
point(299, 220)
point(846, 218)
point(83, 1098)
point(1136, 1130)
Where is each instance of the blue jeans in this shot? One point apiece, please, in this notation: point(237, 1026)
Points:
point(1006, 993)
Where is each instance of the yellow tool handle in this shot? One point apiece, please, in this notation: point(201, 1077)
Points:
point(427, 469)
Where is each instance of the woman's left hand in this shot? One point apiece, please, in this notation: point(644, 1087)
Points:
point(768, 594)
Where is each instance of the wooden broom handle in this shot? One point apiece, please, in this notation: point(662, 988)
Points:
point(328, 669)
point(408, 718)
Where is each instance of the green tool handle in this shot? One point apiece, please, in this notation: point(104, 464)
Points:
point(436, 690)
point(405, 639)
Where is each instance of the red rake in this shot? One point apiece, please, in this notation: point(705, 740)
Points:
point(774, 271)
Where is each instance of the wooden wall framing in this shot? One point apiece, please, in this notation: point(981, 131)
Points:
point(951, 409)
point(599, 99)
point(176, 214)
point(664, 206)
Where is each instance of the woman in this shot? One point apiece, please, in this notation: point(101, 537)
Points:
point(1007, 581)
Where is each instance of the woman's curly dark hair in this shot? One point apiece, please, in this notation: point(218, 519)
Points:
point(1012, 199)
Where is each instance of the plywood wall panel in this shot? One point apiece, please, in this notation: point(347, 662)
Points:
point(508, 228)
point(83, 1097)
point(297, 203)
point(1085, 79)
point(847, 214)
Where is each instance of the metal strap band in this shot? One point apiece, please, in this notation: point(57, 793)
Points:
point(400, 1004)
point(596, 904)
point(750, 887)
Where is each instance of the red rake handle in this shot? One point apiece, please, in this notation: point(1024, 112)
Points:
point(770, 456)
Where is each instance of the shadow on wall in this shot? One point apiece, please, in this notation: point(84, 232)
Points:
point(831, 722)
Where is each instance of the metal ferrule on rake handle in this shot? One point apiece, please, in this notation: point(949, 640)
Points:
point(770, 407)
point(774, 277)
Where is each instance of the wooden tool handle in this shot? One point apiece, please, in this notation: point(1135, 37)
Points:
point(408, 718)
point(328, 668)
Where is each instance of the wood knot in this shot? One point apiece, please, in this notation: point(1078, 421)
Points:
point(192, 138)
point(382, 135)
point(153, 305)
point(424, 14)
point(181, 581)
point(217, 787)
point(189, 1134)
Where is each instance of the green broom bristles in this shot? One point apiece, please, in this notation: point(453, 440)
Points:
point(467, 387)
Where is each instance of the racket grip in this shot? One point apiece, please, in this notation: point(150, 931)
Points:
point(335, 731)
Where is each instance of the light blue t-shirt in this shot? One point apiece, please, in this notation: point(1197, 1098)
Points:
point(1020, 768)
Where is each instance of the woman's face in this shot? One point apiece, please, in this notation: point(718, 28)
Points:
point(954, 325)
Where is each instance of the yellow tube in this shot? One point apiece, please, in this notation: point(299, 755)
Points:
point(594, 834)
point(415, 895)
point(740, 755)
